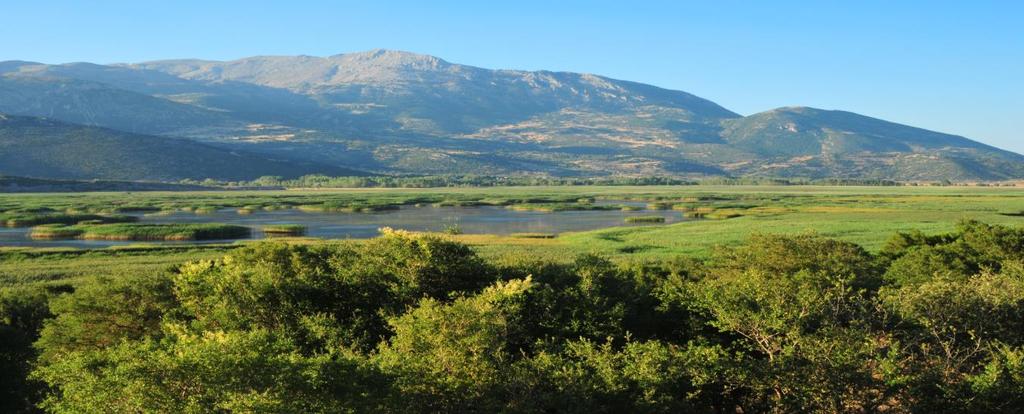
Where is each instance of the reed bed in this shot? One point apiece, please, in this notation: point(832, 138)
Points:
point(645, 219)
point(554, 207)
point(533, 235)
point(284, 230)
point(142, 232)
point(35, 219)
point(348, 208)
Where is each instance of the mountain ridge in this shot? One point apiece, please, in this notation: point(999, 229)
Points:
point(390, 111)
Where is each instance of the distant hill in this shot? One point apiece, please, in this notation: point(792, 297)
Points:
point(42, 148)
point(800, 141)
point(397, 112)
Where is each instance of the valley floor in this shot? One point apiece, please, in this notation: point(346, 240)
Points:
point(867, 216)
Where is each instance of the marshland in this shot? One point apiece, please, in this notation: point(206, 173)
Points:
point(585, 219)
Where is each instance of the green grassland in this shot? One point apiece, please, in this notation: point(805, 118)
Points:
point(864, 215)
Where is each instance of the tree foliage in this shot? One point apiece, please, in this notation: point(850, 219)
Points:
point(418, 323)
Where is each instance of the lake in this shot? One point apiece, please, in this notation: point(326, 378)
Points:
point(469, 220)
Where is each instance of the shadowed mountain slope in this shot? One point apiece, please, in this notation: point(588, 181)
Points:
point(36, 147)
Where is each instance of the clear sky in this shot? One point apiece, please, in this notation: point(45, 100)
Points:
point(951, 66)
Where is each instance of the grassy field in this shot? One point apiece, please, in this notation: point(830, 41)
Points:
point(864, 215)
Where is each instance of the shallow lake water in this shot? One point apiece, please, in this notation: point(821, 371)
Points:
point(469, 220)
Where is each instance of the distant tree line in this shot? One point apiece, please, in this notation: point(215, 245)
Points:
point(388, 181)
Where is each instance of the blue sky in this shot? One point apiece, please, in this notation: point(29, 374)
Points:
point(951, 66)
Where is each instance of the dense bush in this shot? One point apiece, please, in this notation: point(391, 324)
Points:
point(22, 314)
point(415, 323)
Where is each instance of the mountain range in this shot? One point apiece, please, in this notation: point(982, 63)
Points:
point(391, 112)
